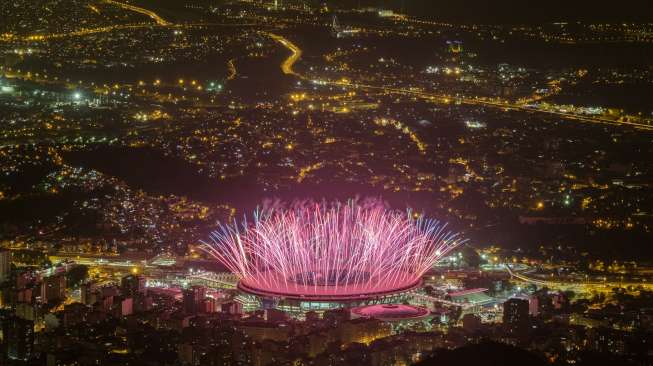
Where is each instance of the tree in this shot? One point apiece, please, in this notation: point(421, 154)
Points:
point(454, 315)
point(429, 290)
point(569, 294)
point(486, 353)
point(29, 257)
point(470, 256)
point(76, 275)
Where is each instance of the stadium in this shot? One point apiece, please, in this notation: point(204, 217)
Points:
point(318, 256)
point(391, 313)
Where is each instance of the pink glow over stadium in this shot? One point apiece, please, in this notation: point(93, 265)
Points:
point(331, 252)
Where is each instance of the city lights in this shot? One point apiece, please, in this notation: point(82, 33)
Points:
point(174, 179)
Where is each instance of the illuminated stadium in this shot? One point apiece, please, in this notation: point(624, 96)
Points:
point(391, 312)
point(330, 253)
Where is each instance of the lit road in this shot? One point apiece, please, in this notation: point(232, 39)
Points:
point(426, 299)
point(82, 32)
point(486, 103)
point(154, 16)
point(113, 267)
point(231, 66)
point(288, 64)
point(588, 285)
point(112, 28)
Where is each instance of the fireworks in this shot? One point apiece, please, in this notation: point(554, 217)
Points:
point(319, 250)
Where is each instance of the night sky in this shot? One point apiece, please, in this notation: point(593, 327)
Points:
point(517, 11)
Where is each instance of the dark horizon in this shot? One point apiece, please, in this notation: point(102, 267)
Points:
point(514, 11)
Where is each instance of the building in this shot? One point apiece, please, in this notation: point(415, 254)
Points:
point(471, 323)
point(363, 330)
point(455, 47)
point(127, 306)
point(88, 294)
point(515, 316)
point(262, 330)
point(193, 299)
point(5, 264)
point(472, 300)
point(337, 316)
point(53, 288)
point(25, 295)
point(274, 315)
point(534, 306)
point(327, 276)
point(390, 312)
point(398, 316)
point(132, 285)
point(106, 303)
point(385, 13)
point(74, 314)
point(142, 303)
point(233, 308)
point(558, 301)
point(26, 311)
point(19, 338)
point(189, 354)
point(210, 305)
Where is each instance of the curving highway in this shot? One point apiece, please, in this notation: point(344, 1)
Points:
point(592, 285)
point(154, 16)
point(296, 52)
point(287, 64)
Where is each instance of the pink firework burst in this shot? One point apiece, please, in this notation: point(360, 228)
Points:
point(331, 251)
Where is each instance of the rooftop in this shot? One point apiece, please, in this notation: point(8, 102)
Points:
point(390, 312)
